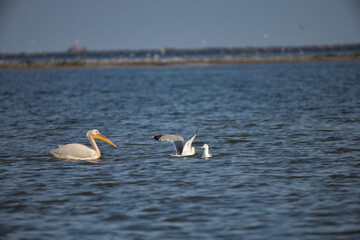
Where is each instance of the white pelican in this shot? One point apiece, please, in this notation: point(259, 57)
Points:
point(178, 141)
point(207, 153)
point(76, 151)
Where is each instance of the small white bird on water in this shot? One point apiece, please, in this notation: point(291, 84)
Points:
point(76, 151)
point(207, 153)
point(178, 141)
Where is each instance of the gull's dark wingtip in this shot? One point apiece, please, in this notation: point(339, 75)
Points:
point(157, 137)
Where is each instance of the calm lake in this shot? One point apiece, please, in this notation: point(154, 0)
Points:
point(285, 139)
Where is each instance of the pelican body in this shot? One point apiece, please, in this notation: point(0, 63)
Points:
point(207, 153)
point(76, 151)
point(178, 141)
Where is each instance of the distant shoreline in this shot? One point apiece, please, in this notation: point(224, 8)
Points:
point(176, 61)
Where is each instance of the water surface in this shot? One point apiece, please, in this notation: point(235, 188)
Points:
point(285, 139)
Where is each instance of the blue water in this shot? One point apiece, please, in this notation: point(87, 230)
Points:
point(285, 139)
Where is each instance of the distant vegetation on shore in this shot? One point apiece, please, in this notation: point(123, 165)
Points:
point(79, 56)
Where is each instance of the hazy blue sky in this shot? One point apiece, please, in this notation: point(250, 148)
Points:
point(52, 25)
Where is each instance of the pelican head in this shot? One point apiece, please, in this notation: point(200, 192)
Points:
point(95, 134)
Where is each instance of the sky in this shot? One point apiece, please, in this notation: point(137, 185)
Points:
point(53, 26)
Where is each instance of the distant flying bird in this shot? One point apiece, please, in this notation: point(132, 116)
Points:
point(301, 26)
point(178, 141)
point(76, 151)
point(207, 153)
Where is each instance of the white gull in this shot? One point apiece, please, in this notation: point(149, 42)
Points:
point(178, 141)
point(207, 153)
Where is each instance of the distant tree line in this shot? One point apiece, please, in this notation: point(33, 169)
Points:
point(82, 52)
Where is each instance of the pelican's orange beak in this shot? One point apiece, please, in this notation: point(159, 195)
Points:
point(202, 147)
point(105, 139)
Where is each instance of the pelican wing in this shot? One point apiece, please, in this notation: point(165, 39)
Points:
point(73, 151)
point(178, 141)
point(187, 146)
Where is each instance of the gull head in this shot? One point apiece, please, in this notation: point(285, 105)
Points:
point(205, 146)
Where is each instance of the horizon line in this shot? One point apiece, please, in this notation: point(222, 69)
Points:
point(86, 50)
